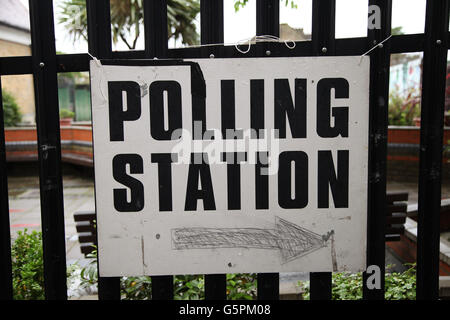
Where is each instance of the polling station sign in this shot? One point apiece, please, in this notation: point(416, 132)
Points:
point(230, 165)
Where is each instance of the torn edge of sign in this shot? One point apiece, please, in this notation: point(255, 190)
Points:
point(198, 84)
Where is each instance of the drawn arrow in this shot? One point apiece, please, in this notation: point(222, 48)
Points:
point(291, 240)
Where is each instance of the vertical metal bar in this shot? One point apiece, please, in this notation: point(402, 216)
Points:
point(211, 21)
point(267, 23)
point(323, 27)
point(155, 26)
point(100, 46)
point(109, 288)
point(211, 25)
point(162, 288)
point(268, 286)
point(320, 285)
point(431, 138)
point(49, 144)
point(378, 129)
point(99, 28)
point(323, 42)
point(6, 289)
point(268, 17)
point(215, 287)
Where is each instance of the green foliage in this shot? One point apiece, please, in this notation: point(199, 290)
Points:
point(74, 18)
point(348, 286)
point(397, 31)
point(242, 3)
point(181, 15)
point(403, 109)
point(28, 266)
point(241, 286)
point(136, 288)
point(186, 287)
point(65, 113)
point(189, 287)
point(11, 112)
point(127, 18)
point(401, 286)
point(88, 274)
point(446, 154)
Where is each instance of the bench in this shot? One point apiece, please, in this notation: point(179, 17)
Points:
point(395, 222)
point(396, 215)
point(444, 216)
point(87, 234)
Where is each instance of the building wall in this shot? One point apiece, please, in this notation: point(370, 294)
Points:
point(20, 86)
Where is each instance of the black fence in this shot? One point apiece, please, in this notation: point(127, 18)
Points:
point(45, 64)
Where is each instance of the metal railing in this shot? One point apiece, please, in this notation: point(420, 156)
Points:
point(44, 64)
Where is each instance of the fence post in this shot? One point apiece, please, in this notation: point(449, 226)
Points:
point(267, 23)
point(211, 31)
point(49, 148)
point(323, 43)
point(431, 139)
point(268, 286)
point(100, 46)
point(268, 17)
point(378, 126)
point(211, 13)
point(6, 289)
point(155, 24)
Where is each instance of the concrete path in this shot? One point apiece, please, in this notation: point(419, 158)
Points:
point(24, 205)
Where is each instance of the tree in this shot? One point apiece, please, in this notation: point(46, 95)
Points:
point(241, 3)
point(396, 31)
point(127, 18)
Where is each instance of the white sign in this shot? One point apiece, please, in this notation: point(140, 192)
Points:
point(268, 174)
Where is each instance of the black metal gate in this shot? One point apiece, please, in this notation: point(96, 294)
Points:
point(44, 64)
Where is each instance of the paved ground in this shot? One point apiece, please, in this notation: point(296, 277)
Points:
point(24, 206)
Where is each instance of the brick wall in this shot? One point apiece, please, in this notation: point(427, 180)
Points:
point(20, 86)
point(403, 154)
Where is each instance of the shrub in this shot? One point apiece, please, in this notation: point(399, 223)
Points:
point(241, 286)
point(28, 266)
point(189, 287)
point(348, 286)
point(136, 288)
point(186, 287)
point(66, 113)
point(11, 112)
point(404, 109)
point(401, 286)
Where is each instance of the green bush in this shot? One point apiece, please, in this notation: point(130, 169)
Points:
point(28, 266)
point(404, 109)
point(189, 287)
point(66, 113)
point(186, 287)
point(401, 286)
point(241, 286)
point(11, 112)
point(136, 288)
point(348, 286)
